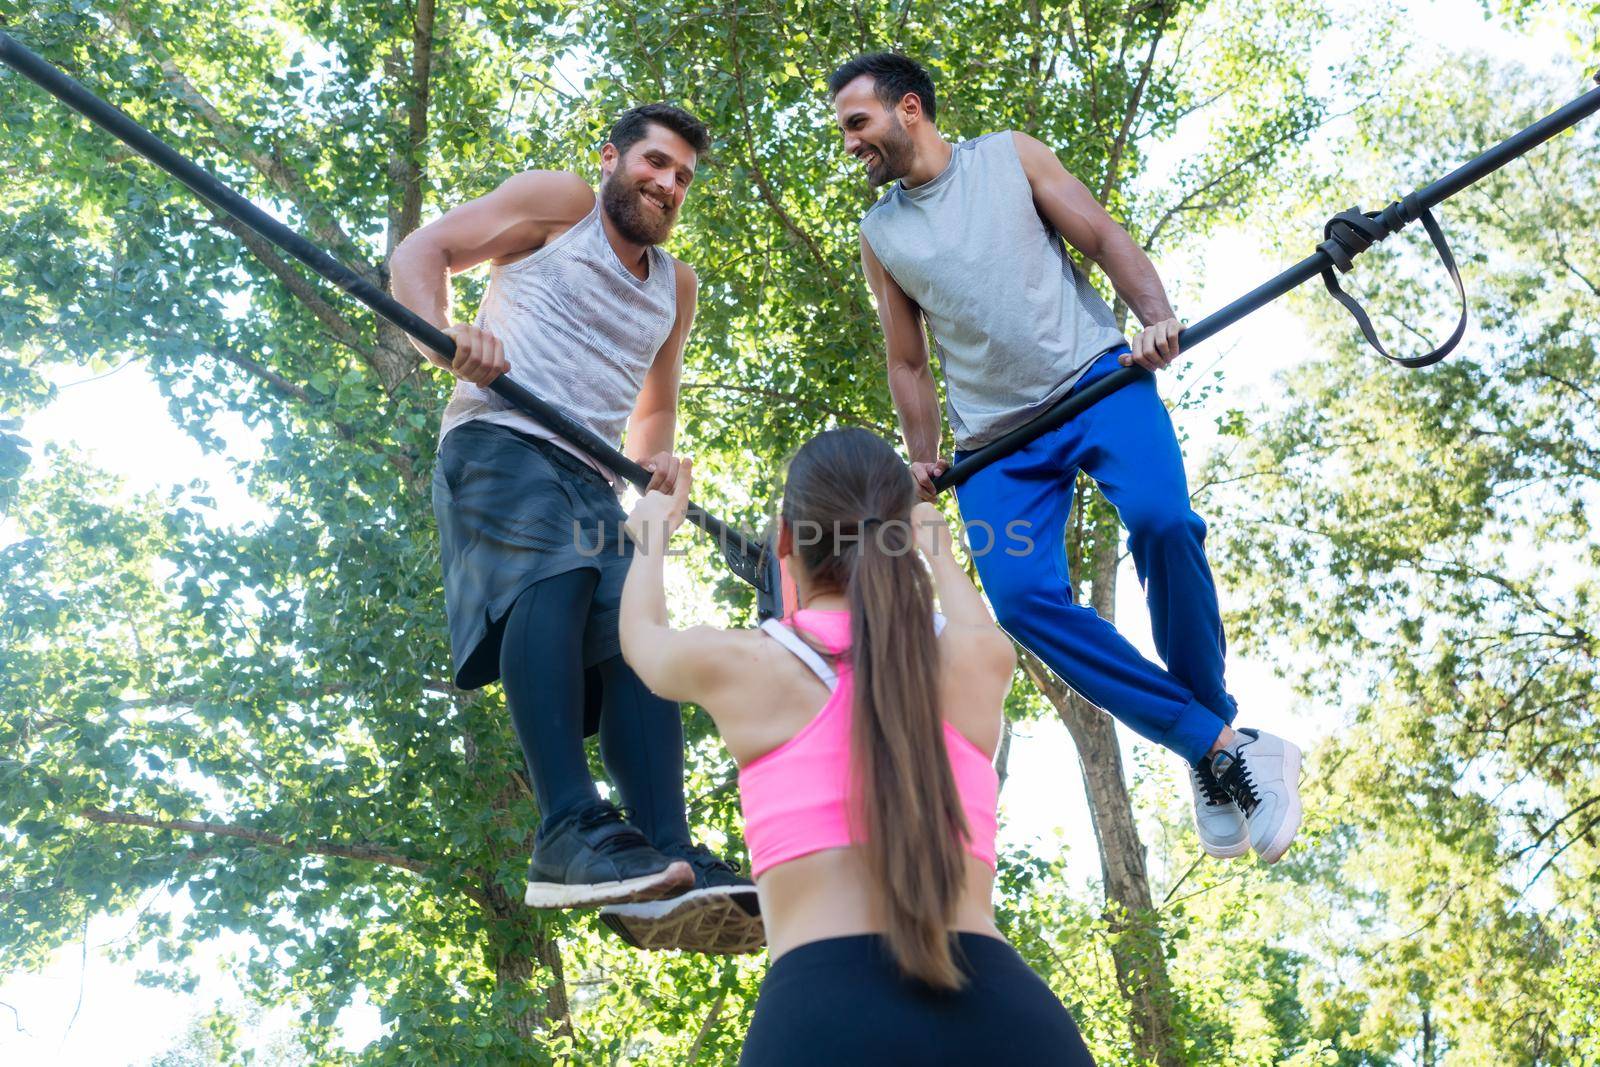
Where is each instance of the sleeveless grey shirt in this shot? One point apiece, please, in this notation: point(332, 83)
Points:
point(1016, 323)
point(579, 330)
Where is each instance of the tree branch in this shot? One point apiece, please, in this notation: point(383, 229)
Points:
point(362, 852)
point(83, 976)
point(1185, 204)
point(299, 286)
point(1574, 386)
point(289, 389)
point(756, 173)
point(707, 1026)
point(1577, 836)
point(241, 143)
point(789, 398)
point(1002, 755)
point(408, 171)
point(395, 360)
point(277, 382)
point(1565, 262)
point(1130, 113)
point(1553, 827)
point(777, 207)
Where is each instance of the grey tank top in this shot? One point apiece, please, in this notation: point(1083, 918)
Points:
point(579, 330)
point(1016, 323)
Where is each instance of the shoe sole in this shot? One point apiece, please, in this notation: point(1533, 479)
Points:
point(1291, 821)
point(712, 921)
point(1232, 852)
point(669, 881)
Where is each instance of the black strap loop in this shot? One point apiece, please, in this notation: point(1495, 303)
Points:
point(1352, 232)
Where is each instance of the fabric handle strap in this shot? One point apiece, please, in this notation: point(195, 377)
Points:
point(1350, 233)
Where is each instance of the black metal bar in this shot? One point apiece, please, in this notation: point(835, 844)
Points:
point(1429, 196)
point(206, 185)
point(1518, 144)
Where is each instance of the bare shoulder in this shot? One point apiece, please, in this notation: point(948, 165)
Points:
point(1026, 142)
point(757, 662)
point(1038, 159)
point(737, 652)
point(717, 665)
point(687, 280)
point(766, 696)
point(552, 196)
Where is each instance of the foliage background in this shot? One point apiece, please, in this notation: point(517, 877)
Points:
point(249, 714)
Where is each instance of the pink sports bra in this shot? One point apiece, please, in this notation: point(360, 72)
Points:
point(796, 798)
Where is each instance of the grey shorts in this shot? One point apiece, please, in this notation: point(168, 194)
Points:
point(513, 510)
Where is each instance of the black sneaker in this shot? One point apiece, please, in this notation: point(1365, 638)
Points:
point(720, 915)
point(594, 857)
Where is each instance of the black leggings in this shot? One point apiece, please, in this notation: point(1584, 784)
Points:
point(843, 1002)
point(548, 690)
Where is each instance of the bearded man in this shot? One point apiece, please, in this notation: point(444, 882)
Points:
point(970, 243)
point(588, 311)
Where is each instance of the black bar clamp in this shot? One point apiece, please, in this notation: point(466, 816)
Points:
point(1352, 232)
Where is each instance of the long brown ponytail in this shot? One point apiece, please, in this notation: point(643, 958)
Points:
point(848, 498)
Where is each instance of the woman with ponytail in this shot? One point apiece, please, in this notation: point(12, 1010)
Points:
point(864, 730)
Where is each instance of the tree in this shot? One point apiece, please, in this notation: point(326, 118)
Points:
point(1105, 82)
point(1420, 548)
point(255, 715)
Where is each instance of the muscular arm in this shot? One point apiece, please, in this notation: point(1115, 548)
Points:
point(910, 379)
point(676, 664)
point(1074, 212)
point(654, 422)
point(696, 664)
point(977, 658)
point(522, 215)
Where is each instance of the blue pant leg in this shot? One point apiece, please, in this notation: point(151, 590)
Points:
point(1128, 446)
point(1023, 502)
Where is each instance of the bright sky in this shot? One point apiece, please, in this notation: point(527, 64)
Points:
point(85, 1008)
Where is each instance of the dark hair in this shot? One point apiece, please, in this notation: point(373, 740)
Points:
point(893, 76)
point(850, 489)
point(632, 124)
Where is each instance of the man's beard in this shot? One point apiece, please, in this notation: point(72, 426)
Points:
point(895, 154)
point(642, 225)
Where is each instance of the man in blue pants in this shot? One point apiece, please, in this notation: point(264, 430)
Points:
point(968, 243)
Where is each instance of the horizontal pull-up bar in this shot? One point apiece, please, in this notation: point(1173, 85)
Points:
point(744, 553)
point(1321, 262)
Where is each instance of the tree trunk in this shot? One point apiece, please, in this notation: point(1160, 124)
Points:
point(525, 953)
point(521, 945)
point(395, 359)
point(1136, 944)
point(514, 973)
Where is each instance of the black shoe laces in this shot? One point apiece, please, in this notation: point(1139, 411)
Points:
point(1210, 788)
point(619, 836)
point(702, 858)
point(1238, 782)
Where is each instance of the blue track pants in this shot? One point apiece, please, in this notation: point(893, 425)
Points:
point(1020, 505)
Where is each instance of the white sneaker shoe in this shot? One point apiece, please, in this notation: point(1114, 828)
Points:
point(1217, 819)
point(1262, 775)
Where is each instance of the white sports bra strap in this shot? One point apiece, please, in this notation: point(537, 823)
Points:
point(807, 655)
